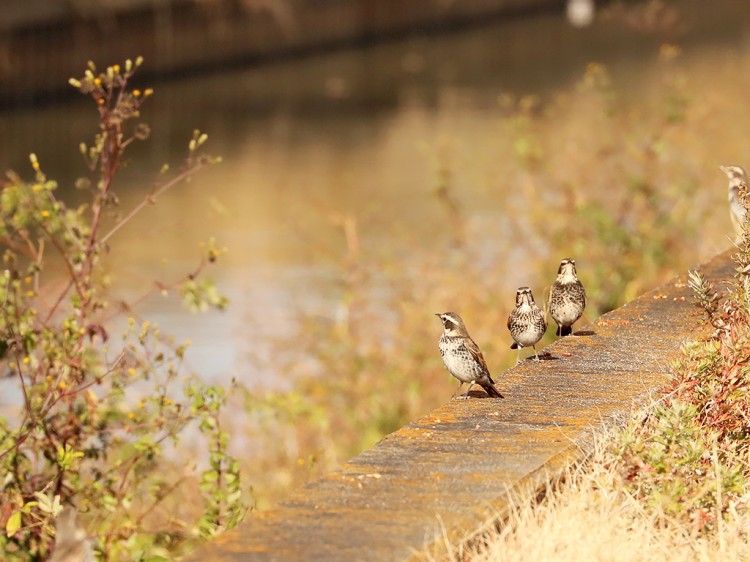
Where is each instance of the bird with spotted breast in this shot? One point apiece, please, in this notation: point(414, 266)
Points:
point(567, 299)
point(462, 357)
point(737, 191)
point(526, 323)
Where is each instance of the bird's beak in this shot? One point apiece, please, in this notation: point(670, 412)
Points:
point(438, 314)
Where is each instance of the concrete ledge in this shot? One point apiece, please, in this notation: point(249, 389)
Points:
point(452, 469)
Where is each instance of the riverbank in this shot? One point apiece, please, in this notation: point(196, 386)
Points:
point(179, 37)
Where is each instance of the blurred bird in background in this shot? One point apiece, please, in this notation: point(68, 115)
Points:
point(737, 185)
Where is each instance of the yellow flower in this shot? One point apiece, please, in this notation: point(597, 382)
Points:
point(27, 279)
point(26, 360)
point(131, 372)
point(45, 214)
point(116, 68)
point(136, 93)
point(98, 81)
point(62, 385)
point(131, 415)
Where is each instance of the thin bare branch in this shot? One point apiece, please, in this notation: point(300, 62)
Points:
point(150, 199)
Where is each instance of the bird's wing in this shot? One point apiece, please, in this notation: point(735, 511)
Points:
point(737, 209)
point(477, 354)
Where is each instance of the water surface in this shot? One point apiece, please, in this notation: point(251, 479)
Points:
point(361, 133)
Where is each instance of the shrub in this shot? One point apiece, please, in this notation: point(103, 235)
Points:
point(99, 410)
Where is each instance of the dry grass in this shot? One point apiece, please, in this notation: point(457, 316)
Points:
point(596, 515)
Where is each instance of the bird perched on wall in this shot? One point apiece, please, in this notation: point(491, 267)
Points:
point(567, 299)
point(462, 357)
point(526, 323)
point(737, 183)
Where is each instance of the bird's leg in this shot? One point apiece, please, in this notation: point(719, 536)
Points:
point(472, 383)
point(460, 384)
point(536, 355)
point(518, 357)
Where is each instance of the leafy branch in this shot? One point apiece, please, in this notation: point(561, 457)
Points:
point(97, 410)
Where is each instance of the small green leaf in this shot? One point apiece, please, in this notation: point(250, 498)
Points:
point(45, 503)
point(28, 505)
point(56, 506)
point(210, 476)
point(13, 524)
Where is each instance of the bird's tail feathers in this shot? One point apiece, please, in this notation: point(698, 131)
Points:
point(492, 391)
point(514, 345)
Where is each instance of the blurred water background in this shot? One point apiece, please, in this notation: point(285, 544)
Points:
point(364, 189)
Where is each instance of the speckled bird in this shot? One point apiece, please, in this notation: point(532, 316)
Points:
point(462, 357)
point(737, 182)
point(567, 299)
point(526, 323)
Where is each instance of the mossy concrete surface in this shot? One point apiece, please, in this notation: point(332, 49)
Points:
point(445, 474)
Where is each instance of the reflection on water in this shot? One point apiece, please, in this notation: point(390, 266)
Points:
point(362, 133)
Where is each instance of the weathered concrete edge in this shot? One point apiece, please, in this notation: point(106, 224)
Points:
point(641, 338)
point(489, 515)
point(526, 489)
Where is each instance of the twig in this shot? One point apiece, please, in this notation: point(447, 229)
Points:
point(150, 199)
point(68, 262)
point(58, 301)
point(98, 379)
point(26, 401)
point(7, 241)
point(161, 287)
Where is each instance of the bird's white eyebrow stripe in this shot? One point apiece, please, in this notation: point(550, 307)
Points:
point(451, 318)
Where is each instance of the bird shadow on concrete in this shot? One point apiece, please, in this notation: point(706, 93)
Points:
point(481, 394)
point(584, 333)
